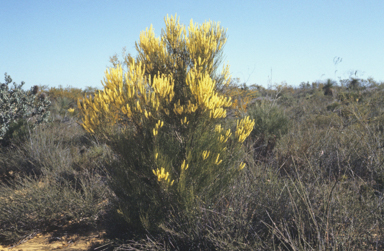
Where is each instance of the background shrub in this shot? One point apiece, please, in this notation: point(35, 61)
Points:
point(270, 124)
point(17, 104)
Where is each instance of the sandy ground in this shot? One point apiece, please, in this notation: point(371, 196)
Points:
point(55, 241)
point(68, 238)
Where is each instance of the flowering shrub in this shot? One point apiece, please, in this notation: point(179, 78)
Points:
point(165, 117)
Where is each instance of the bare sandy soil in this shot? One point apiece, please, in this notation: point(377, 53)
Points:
point(69, 237)
point(60, 240)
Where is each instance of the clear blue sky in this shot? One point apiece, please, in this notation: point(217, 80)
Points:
point(69, 42)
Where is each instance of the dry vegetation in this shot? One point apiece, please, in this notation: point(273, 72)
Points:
point(313, 176)
point(314, 180)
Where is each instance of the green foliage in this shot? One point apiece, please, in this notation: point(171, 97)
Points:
point(355, 84)
point(143, 200)
point(16, 104)
point(270, 119)
point(271, 123)
point(333, 106)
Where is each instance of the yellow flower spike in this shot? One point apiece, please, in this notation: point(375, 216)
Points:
point(218, 128)
point(94, 108)
point(71, 110)
point(129, 112)
point(172, 182)
point(156, 155)
point(159, 124)
point(217, 159)
point(138, 107)
point(106, 108)
point(178, 109)
point(161, 174)
point(154, 132)
point(201, 42)
point(244, 128)
point(242, 165)
point(183, 165)
point(206, 154)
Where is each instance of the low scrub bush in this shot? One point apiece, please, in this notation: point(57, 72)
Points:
point(52, 178)
point(271, 123)
point(267, 211)
point(18, 106)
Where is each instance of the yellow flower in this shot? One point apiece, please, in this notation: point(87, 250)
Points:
point(71, 110)
point(218, 128)
point(225, 138)
point(184, 121)
point(217, 160)
point(161, 174)
point(206, 154)
point(242, 165)
point(244, 128)
point(159, 124)
point(183, 166)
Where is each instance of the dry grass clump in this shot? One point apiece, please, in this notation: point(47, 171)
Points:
point(52, 177)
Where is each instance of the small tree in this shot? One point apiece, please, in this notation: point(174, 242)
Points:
point(328, 87)
point(17, 104)
point(170, 117)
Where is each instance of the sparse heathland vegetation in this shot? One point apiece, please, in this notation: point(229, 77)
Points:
point(174, 155)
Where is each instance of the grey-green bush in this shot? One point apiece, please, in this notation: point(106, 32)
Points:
point(17, 104)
